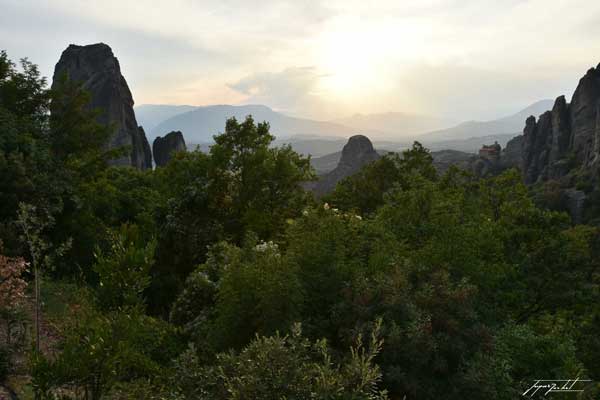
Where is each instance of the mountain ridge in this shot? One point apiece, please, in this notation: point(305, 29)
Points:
point(150, 115)
point(200, 124)
point(510, 124)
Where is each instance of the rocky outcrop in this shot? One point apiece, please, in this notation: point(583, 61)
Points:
point(163, 148)
point(573, 129)
point(561, 130)
point(536, 136)
point(98, 71)
point(563, 146)
point(545, 143)
point(513, 152)
point(146, 151)
point(583, 112)
point(356, 153)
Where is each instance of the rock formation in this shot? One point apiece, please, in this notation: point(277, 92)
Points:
point(355, 154)
point(567, 135)
point(163, 148)
point(98, 71)
point(146, 151)
point(512, 153)
point(585, 119)
point(563, 145)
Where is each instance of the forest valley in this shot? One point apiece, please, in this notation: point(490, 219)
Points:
point(218, 276)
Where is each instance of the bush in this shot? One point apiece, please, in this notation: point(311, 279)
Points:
point(100, 351)
point(283, 367)
point(5, 362)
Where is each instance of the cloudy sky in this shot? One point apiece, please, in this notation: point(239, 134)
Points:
point(325, 59)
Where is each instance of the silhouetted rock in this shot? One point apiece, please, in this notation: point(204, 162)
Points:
point(536, 148)
point(98, 71)
point(561, 130)
point(585, 124)
point(355, 154)
point(163, 148)
point(147, 152)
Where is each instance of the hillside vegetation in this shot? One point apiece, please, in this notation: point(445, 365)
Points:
point(219, 277)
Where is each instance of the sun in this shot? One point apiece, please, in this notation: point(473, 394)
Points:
point(361, 59)
point(350, 63)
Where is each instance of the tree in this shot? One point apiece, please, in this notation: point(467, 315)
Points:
point(243, 186)
point(255, 187)
point(35, 223)
point(77, 139)
point(34, 227)
point(100, 351)
point(124, 271)
point(364, 191)
point(78, 145)
point(23, 94)
point(260, 293)
point(25, 162)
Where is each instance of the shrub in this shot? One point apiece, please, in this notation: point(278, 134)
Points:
point(5, 362)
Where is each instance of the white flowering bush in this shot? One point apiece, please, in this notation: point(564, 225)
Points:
point(264, 247)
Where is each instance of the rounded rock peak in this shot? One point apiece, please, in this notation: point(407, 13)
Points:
point(358, 147)
point(560, 101)
point(359, 144)
point(95, 48)
point(99, 45)
point(164, 147)
point(174, 135)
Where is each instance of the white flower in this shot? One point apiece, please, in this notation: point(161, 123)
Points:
point(326, 206)
point(262, 247)
point(305, 213)
point(358, 217)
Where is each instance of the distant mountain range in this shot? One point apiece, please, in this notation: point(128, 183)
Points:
point(150, 115)
point(395, 125)
point(388, 131)
point(512, 124)
point(313, 145)
point(200, 124)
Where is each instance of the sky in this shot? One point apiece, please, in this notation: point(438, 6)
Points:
point(458, 59)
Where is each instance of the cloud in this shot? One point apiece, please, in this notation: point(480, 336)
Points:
point(474, 58)
point(286, 90)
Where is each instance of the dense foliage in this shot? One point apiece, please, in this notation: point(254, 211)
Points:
point(196, 277)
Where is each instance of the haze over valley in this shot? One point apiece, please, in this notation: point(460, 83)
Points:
point(389, 131)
